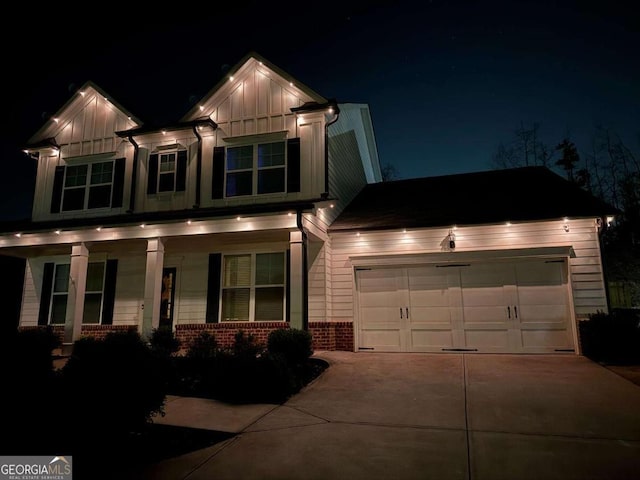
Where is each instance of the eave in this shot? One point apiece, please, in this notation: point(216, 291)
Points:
point(146, 130)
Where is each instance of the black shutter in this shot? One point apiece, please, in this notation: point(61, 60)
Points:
point(287, 274)
point(181, 171)
point(217, 178)
point(213, 288)
point(293, 165)
point(58, 183)
point(152, 174)
point(109, 295)
point(45, 293)
point(118, 182)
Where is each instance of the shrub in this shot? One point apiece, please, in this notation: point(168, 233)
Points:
point(29, 386)
point(612, 337)
point(246, 345)
point(164, 342)
point(203, 346)
point(296, 346)
point(118, 379)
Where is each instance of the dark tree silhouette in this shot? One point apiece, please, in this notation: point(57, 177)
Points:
point(569, 157)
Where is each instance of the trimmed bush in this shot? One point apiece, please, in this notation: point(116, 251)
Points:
point(118, 379)
point(164, 342)
point(612, 338)
point(296, 346)
point(203, 346)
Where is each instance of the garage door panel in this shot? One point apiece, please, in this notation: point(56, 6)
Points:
point(431, 340)
point(537, 295)
point(382, 339)
point(430, 315)
point(540, 314)
point(545, 339)
point(482, 314)
point(372, 316)
point(487, 339)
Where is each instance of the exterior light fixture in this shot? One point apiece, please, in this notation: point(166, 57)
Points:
point(201, 108)
point(610, 220)
point(18, 235)
point(83, 93)
point(289, 214)
point(98, 229)
point(357, 234)
point(58, 232)
point(238, 218)
point(508, 224)
point(452, 239)
point(231, 78)
point(57, 120)
point(164, 132)
point(142, 225)
point(188, 222)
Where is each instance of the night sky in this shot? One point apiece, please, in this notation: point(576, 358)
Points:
point(446, 81)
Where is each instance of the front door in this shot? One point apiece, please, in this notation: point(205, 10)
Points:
point(167, 297)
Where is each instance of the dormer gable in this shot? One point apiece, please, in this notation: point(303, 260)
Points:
point(85, 125)
point(254, 97)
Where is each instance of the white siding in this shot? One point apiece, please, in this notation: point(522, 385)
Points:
point(191, 287)
point(317, 282)
point(585, 269)
point(84, 131)
point(346, 172)
point(30, 297)
point(127, 309)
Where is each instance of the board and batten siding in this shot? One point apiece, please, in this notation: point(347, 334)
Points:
point(587, 281)
point(85, 131)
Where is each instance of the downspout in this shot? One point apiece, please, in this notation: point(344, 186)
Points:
point(336, 111)
point(134, 175)
point(305, 273)
point(198, 166)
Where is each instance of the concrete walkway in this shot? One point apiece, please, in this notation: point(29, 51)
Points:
point(426, 416)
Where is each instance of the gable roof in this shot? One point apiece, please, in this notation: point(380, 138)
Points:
point(51, 128)
point(237, 70)
point(517, 194)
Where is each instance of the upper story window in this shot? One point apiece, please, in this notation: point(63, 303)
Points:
point(256, 169)
point(167, 171)
point(88, 186)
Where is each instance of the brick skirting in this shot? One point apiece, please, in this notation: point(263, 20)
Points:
point(326, 335)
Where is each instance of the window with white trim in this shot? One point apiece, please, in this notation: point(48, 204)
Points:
point(167, 172)
point(87, 186)
point(256, 169)
point(93, 296)
point(253, 287)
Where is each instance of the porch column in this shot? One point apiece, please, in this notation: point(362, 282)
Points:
point(75, 296)
point(152, 287)
point(297, 280)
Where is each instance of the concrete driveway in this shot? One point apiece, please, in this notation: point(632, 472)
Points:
point(437, 416)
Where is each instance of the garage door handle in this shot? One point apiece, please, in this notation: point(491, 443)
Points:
point(407, 311)
point(509, 311)
point(400, 312)
point(515, 309)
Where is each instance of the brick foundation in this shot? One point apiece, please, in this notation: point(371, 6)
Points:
point(326, 335)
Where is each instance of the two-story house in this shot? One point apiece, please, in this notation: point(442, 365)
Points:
point(263, 208)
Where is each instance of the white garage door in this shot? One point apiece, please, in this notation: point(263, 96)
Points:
point(514, 307)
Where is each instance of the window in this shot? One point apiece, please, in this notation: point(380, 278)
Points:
point(87, 186)
point(255, 169)
point(253, 287)
point(93, 293)
point(167, 171)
